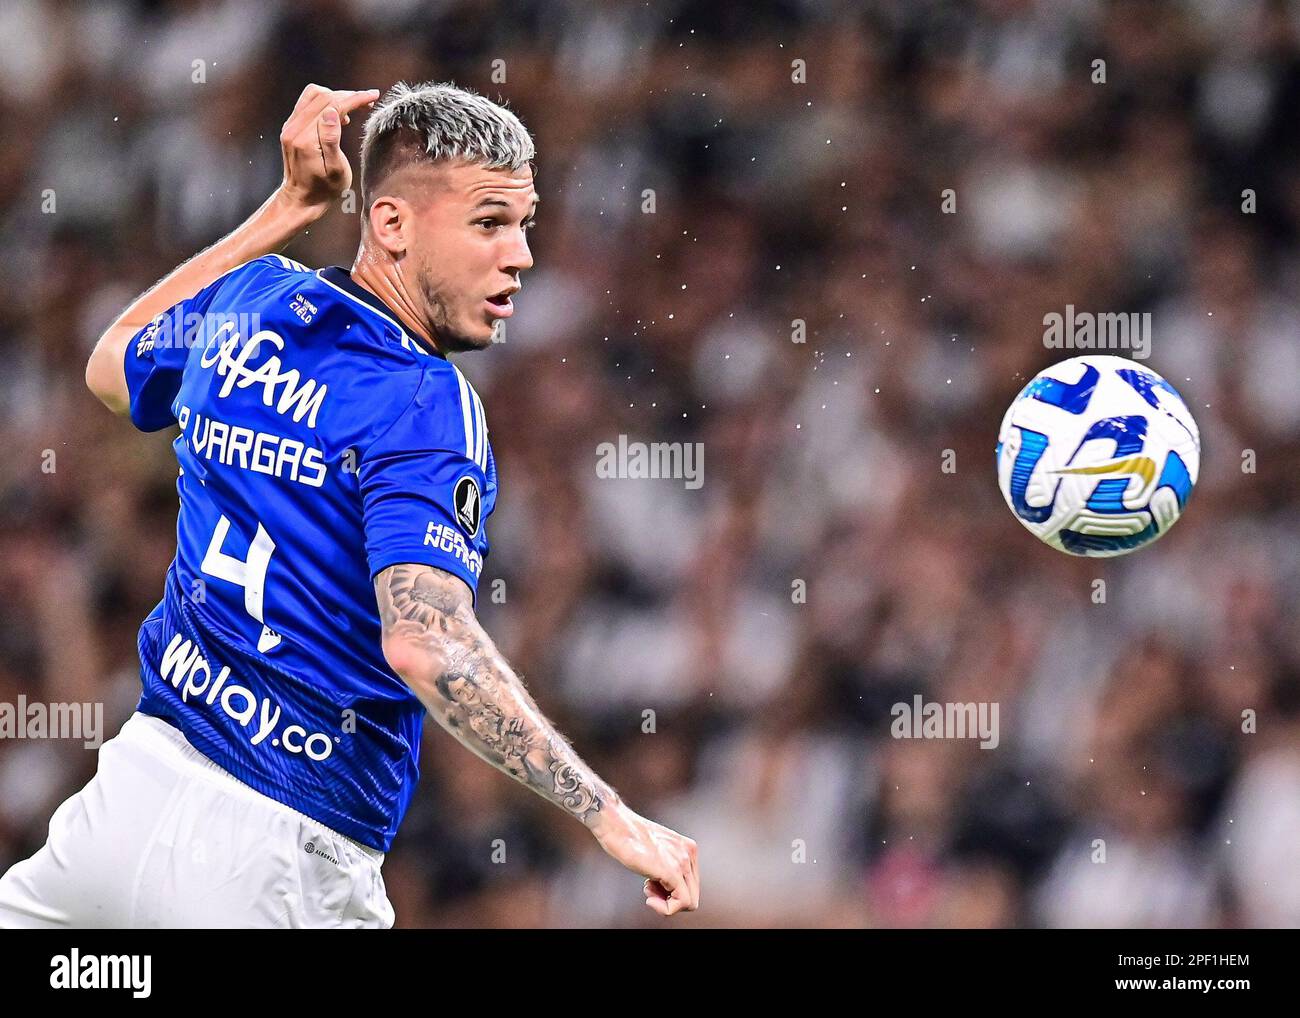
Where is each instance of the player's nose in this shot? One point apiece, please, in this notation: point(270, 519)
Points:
point(517, 257)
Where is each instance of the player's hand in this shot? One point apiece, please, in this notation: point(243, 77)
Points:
point(668, 860)
point(316, 171)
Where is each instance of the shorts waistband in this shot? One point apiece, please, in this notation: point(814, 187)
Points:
point(168, 740)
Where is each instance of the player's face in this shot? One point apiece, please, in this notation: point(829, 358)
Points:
point(469, 247)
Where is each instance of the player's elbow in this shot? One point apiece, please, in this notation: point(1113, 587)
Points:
point(95, 374)
point(417, 663)
point(400, 657)
point(106, 378)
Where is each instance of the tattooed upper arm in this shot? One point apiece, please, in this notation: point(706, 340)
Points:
point(432, 638)
point(416, 601)
point(434, 642)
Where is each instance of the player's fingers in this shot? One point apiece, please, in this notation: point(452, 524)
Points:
point(686, 885)
point(329, 132)
point(349, 101)
point(688, 892)
point(655, 896)
point(301, 127)
point(303, 119)
point(309, 95)
point(306, 126)
point(689, 888)
point(694, 857)
point(664, 905)
point(305, 110)
point(680, 890)
point(672, 895)
point(675, 903)
point(345, 100)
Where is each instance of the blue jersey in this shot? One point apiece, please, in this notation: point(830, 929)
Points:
point(319, 444)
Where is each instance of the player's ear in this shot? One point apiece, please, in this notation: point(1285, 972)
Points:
point(389, 221)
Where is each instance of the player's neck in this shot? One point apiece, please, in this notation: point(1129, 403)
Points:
point(384, 282)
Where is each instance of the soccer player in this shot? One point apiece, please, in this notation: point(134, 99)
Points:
point(331, 457)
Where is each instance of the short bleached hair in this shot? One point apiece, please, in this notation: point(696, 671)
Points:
point(436, 121)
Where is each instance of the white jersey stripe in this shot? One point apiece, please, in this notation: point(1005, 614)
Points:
point(480, 448)
point(290, 264)
point(465, 412)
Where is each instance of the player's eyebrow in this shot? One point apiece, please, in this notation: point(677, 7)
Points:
point(498, 202)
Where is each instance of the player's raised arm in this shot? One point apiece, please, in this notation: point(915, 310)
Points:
point(433, 640)
point(315, 173)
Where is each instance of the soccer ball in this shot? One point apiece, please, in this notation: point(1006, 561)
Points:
point(1098, 456)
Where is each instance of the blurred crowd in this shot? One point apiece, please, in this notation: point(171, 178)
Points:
point(727, 657)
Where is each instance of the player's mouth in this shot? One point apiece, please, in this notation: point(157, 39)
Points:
point(499, 304)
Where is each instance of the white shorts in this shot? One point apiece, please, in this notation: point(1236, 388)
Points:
point(163, 837)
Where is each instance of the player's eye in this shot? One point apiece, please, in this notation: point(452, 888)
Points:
point(491, 224)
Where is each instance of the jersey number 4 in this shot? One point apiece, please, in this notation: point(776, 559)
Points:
point(249, 574)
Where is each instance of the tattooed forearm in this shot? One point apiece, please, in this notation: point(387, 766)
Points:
point(436, 644)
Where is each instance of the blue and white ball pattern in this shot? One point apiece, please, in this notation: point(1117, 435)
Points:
point(1098, 456)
